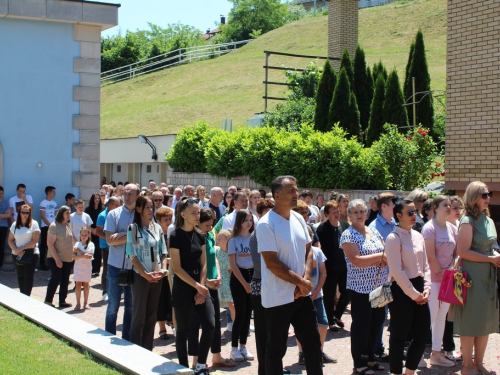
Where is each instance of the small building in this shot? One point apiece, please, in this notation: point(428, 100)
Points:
point(211, 33)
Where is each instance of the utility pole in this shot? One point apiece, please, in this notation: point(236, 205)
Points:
point(314, 8)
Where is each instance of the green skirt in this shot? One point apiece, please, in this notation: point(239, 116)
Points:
point(479, 316)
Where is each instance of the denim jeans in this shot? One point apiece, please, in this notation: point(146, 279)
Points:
point(114, 296)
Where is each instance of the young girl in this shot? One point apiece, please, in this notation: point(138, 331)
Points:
point(242, 267)
point(83, 255)
point(225, 297)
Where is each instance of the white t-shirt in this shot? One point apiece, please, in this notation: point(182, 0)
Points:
point(319, 258)
point(289, 239)
point(229, 220)
point(78, 222)
point(90, 250)
point(24, 235)
point(241, 247)
point(314, 213)
point(50, 208)
point(15, 203)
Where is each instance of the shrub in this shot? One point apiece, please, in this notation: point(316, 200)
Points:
point(362, 87)
point(344, 109)
point(291, 114)
point(376, 125)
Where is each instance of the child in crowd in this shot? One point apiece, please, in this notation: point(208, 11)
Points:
point(83, 255)
point(225, 297)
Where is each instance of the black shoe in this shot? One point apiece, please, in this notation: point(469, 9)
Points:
point(339, 322)
point(286, 371)
point(203, 371)
point(44, 268)
point(382, 357)
point(333, 328)
point(302, 360)
point(325, 358)
point(64, 305)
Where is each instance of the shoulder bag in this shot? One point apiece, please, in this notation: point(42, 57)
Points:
point(126, 277)
point(381, 296)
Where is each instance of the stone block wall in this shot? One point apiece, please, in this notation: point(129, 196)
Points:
point(342, 28)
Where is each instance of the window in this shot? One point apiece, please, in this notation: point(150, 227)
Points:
point(148, 169)
point(118, 168)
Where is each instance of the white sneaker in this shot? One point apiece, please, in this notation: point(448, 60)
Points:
point(230, 327)
point(439, 359)
point(422, 363)
point(246, 354)
point(236, 355)
point(105, 297)
point(252, 328)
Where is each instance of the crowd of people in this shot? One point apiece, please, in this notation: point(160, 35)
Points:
point(275, 256)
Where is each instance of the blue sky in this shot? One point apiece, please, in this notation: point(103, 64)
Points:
point(135, 14)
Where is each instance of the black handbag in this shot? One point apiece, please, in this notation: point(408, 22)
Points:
point(125, 277)
point(27, 257)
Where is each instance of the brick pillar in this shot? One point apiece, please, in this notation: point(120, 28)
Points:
point(342, 28)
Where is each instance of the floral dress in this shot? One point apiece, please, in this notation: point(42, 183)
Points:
point(224, 290)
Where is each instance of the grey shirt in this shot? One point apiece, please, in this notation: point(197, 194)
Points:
point(254, 251)
point(118, 221)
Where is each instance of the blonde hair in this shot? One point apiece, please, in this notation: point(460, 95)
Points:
point(471, 196)
point(418, 194)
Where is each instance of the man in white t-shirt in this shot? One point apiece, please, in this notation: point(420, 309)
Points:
point(79, 219)
point(240, 203)
point(48, 210)
point(287, 263)
point(18, 200)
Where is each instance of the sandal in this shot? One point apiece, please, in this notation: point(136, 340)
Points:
point(77, 308)
point(163, 335)
point(377, 367)
point(333, 328)
point(87, 307)
point(483, 371)
point(364, 371)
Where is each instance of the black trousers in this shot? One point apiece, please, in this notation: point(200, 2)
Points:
point(104, 274)
point(334, 279)
point(164, 312)
point(407, 316)
point(97, 261)
point(301, 314)
point(43, 246)
point(4, 234)
point(194, 330)
point(242, 307)
point(59, 278)
point(25, 274)
point(260, 323)
point(366, 323)
point(448, 342)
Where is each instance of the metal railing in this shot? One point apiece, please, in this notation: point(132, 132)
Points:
point(169, 59)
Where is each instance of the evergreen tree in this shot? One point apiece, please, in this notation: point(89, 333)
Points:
point(376, 124)
point(420, 70)
point(407, 87)
point(324, 96)
point(345, 62)
point(341, 108)
point(353, 119)
point(362, 90)
point(394, 111)
point(369, 88)
point(379, 68)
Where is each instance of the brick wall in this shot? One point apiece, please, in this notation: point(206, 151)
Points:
point(473, 94)
point(342, 28)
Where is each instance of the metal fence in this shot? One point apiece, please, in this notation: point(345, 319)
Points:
point(169, 59)
point(373, 3)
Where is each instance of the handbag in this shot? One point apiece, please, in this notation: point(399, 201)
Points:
point(381, 296)
point(27, 257)
point(454, 286)
point(125, 277)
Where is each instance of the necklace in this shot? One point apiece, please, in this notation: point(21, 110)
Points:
point(192, 235)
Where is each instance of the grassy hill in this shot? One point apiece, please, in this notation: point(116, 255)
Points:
point(231, 86)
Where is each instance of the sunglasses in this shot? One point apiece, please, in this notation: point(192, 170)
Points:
point(304, 212)
point(158, 200)
point(487, 195)
point(24, 213)
point(412, 212)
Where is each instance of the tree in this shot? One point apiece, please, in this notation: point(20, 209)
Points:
point(362, 87)
point(407, 86)
point(379, 68)
point(342, 108)
point(324, 96)
point(394, 112)
point(420, 70)
point(345, 62)
point(376, 125)
point(369, 88)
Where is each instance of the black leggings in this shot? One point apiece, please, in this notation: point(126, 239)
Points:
point(194, 330)
point(242, 307)
point(25, 274)
point(407, 316)
point(334, 278)
point(58, 278)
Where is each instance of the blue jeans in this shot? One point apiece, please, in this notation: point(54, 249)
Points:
point(114, 296)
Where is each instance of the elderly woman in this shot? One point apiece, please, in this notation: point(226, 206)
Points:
point(364, 252)
point(479, 316)
point(60, 256)
point(409, 272)
point(23, 239)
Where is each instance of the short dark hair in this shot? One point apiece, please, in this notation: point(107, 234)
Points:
point(207, 214)
point(333, 195)
point(1, 188)
point(69, 196)
point(306, 193)
point(329, 205)
point(20, 186)
point(399, 204)
point(264, 204)
point(277, 183)
point(49, 189)
point(79, 201)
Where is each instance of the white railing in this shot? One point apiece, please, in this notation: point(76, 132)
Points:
point(373, 3)
point(167, 60)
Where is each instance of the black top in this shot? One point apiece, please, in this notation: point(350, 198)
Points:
point(216, 210)
point(372, 215)
point(189, 245)
point(93, 213)
point(329, 237)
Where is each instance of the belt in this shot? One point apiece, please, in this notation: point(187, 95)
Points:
point(193, 272)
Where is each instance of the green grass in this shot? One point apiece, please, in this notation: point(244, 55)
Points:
point(26, 348)
point(231, 86)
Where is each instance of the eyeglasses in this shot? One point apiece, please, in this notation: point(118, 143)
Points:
point(487, 195)
point(158, 200)
point(412, 212)
point(25, 213)
point(304, 213)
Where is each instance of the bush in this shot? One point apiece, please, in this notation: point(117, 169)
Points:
point(291, 114)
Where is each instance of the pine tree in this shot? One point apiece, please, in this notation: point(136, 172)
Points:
point(363, 96)
point(342, 108)
point(324, 96)
point(369, 88)
point(345, 62)
point(420, 70)
point(376, 124)
point(379, 68)
point(394, 112)
point(407, 87)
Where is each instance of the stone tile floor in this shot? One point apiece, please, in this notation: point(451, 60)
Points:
point(337, 344)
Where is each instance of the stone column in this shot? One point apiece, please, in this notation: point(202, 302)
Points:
point(342, 28)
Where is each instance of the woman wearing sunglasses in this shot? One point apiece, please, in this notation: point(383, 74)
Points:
point(479, 316)
point(23, 237)
point(411, 283)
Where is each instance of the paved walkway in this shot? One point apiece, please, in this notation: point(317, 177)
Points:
point(337, 344)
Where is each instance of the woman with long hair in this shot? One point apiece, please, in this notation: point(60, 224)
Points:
point(253, 199)
point(201, 194)
point(147, 250)
point(188, 255)
point(242, 272)
point(23, 236)
point(478, 317)
point(343, 201)
point(94, 208)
